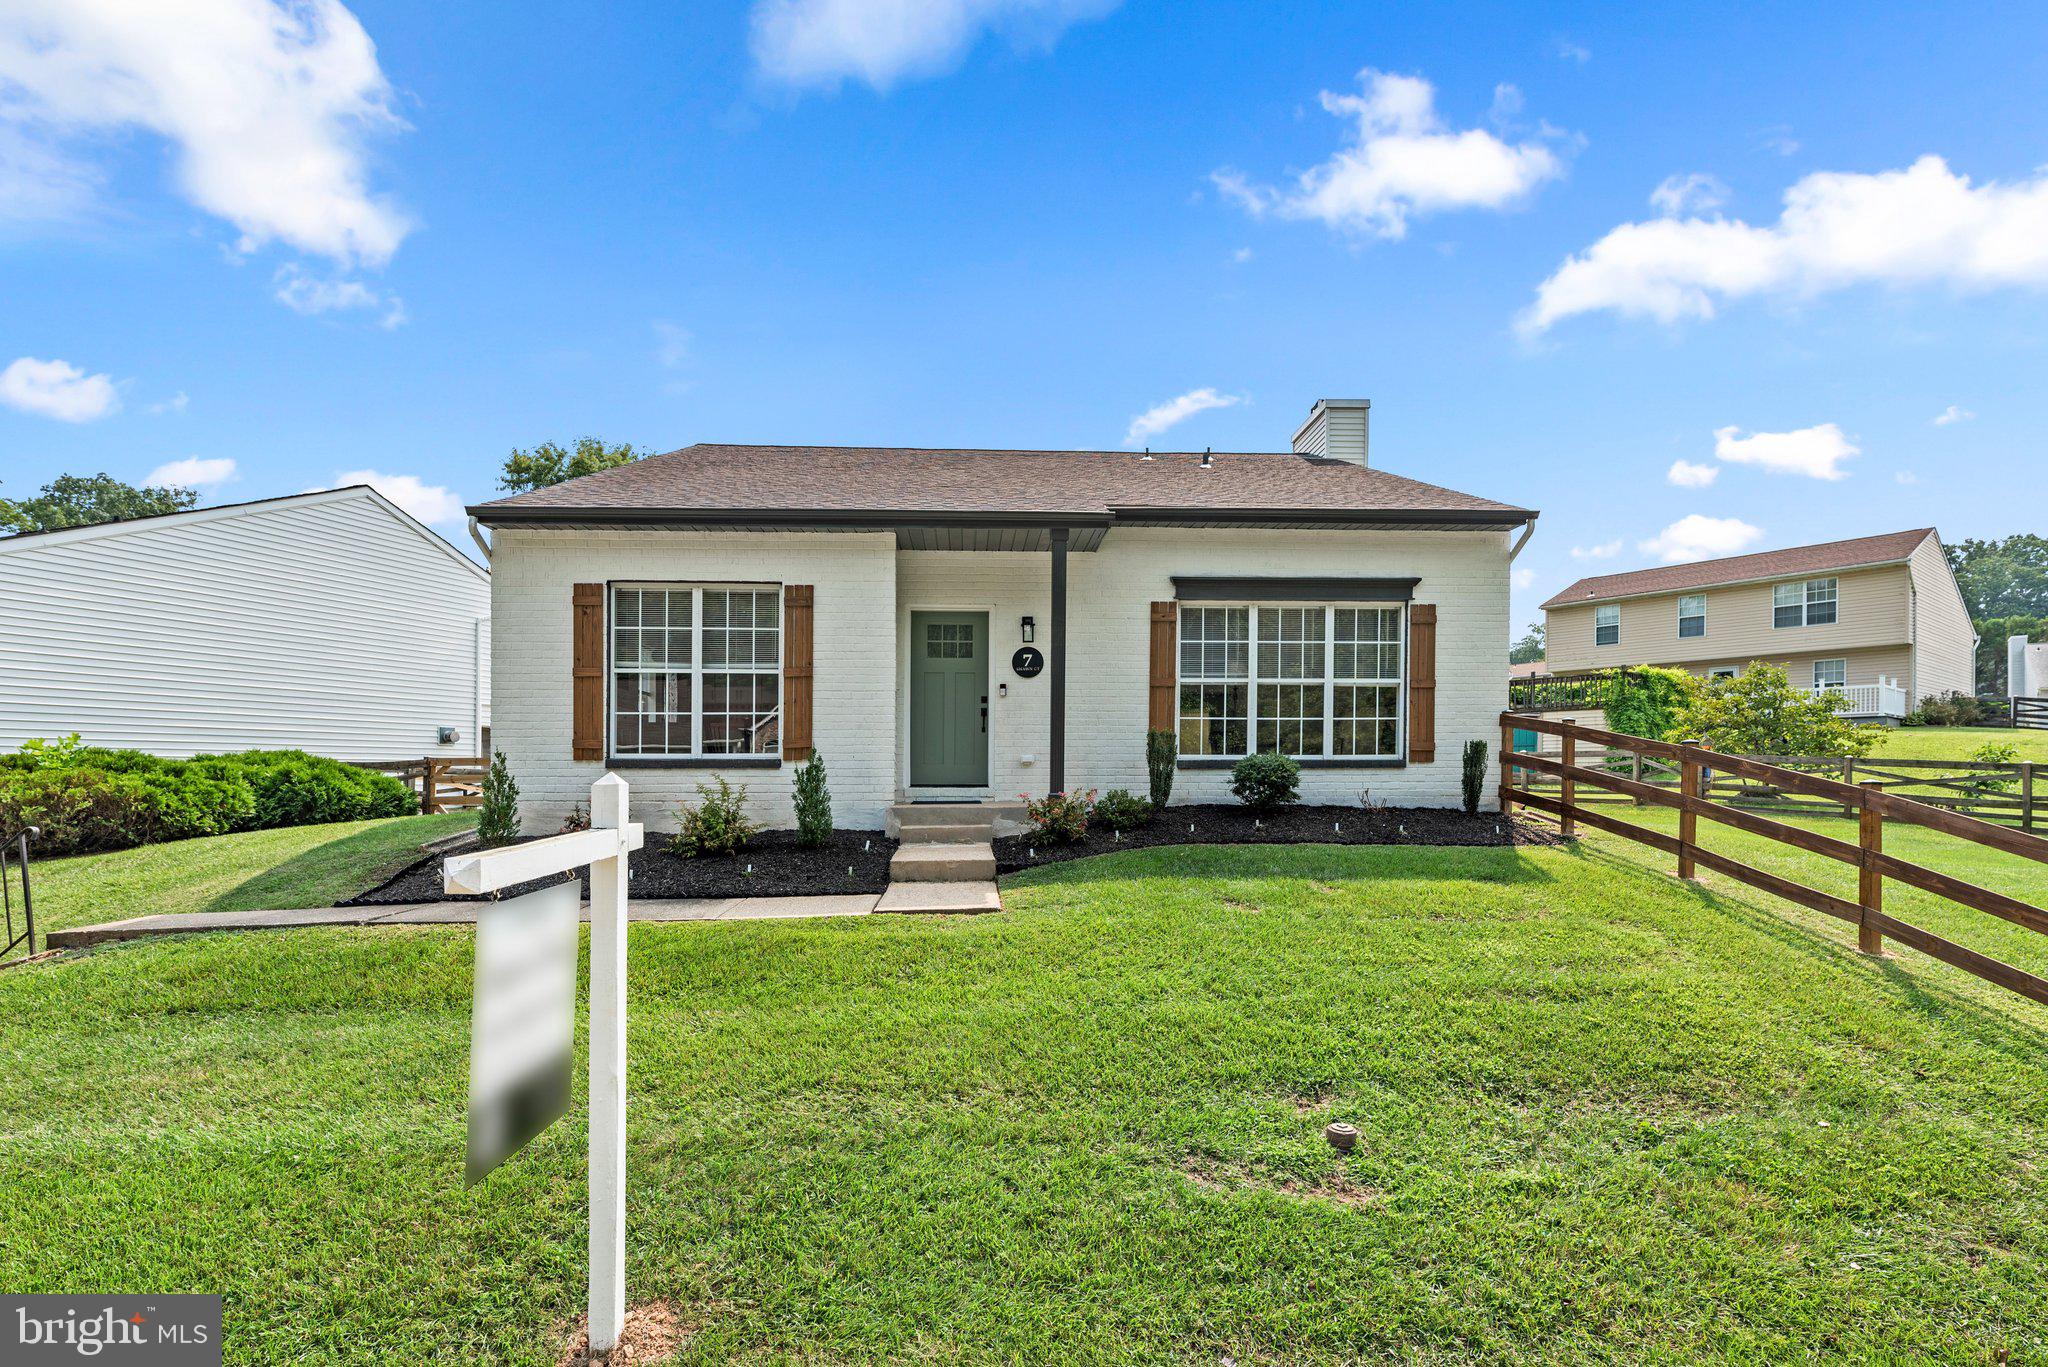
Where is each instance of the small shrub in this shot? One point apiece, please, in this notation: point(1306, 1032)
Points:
point(1058, 818)
point(497, 816)
point(1122, 810)
point(1995, 752)
point(578, 819)
point(1956, 708)
point(718, 824)
point(813, 803)
point(1474, 776)
point(1266, 782)
point(1162, 752)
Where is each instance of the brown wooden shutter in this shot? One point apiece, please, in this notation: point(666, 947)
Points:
point(796, 670)
point(1421, 683)
point(1165, 623)
point(586, 672)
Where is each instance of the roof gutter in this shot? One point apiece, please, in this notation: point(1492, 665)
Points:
point(885, 519)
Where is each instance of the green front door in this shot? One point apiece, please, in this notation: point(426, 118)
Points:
point(948, 699)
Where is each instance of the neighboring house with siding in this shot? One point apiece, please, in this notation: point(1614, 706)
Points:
point(969, 625)
point(331, 622)
point(1879, 617)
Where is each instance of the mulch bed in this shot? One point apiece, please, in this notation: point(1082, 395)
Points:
point(1230, 824)
point(781, 868)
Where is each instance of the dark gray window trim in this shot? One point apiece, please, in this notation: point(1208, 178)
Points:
point(1255, 589)
point(694, 762)
point(1335, 762)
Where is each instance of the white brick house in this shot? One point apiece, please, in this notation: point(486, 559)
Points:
point(975, 625)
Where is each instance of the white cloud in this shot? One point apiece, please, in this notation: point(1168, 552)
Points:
point(268, 103)
point(1606, 550)
point(1241, 255)
point(177, 403)
point(57, 389)
point(1954, 413)
point(1923, 225)
point(1161, 416)
point(1687, 475)
point(1779, 139)
point(1569, 51)
point(671, 344)
point(1402, 162)
point(308, 294)
point(1816, 452)
point(1523, 578)
point(881, 42)
point(1695, 537)
point(1697, 193)
point(193, 473)
point(430, 503)
point(1906, 477)
point(37, 182)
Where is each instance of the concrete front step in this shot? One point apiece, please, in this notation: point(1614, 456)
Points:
point(912, 820)
point(962, 862)
point(938, 899)
point(963, 834)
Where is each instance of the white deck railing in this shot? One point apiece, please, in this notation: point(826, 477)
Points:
point(1871, 700)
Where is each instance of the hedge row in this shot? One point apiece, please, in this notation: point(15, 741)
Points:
point(85, 800)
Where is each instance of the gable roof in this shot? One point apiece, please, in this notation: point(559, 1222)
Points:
point(193, 516)
point(843, 485)
point(1860, 552)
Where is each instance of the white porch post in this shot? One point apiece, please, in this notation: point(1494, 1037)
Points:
point(607, 1072)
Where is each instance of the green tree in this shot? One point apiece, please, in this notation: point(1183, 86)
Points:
point(1529, 648)
point(87, 500)
point(548, 463)
point(1759, 712)
point(2006, 578)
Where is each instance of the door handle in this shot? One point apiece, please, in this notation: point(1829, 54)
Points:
point(984, 714)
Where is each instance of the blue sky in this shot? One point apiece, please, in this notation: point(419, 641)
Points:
point(397, 238)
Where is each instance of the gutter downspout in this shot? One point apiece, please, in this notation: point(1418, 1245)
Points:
point(476, 535)
point(1528, 530)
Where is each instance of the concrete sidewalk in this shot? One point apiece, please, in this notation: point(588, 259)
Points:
point(454, 913)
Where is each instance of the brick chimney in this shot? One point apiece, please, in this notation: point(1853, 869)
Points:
point(1336, 429)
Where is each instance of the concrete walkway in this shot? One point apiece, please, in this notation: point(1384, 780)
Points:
point(454, 913)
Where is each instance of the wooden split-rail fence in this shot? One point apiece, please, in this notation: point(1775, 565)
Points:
point(1692, 798)
point(443, 783)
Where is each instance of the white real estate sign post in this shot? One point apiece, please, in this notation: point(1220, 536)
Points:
point(604, 848)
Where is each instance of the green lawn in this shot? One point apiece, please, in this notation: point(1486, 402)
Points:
point(1604, 1114)
point(1956, 742)
point(302, 866)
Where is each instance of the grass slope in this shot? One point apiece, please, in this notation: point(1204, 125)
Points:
point(1956, 742)
point(1602, 1114)
point(301, 866)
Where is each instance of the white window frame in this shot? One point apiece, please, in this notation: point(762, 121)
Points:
point(1830, 588)
point(1723, 672)
point(1253, 679)
point(1819, 683)
point(1684, 616)
point(696, 671)
point(1600, 626)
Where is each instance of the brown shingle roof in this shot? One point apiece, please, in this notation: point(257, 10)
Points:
point(1887, 549)
point(898, 480)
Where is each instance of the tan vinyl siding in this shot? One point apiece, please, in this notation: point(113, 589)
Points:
point(1944, 642)
point(1873, 609)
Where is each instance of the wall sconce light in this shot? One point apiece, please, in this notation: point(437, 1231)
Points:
point(1030, 630)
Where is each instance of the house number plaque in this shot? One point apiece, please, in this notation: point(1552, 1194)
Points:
point(1027, 662)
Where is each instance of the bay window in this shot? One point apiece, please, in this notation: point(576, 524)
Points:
point(1314, 681)
point(696, 670)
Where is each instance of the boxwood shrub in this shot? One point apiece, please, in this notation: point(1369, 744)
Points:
point(84, 799)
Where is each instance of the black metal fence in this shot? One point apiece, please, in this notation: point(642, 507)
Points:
point(1565, 692)
point(14, 875)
